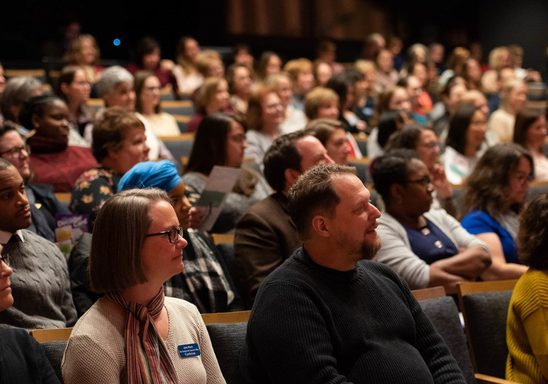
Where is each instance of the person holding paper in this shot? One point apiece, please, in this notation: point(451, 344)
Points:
point(220, 140)
point(134, 334)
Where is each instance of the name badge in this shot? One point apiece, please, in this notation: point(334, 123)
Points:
point(188, 350)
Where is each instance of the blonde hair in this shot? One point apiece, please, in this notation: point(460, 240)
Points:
point(317, 98)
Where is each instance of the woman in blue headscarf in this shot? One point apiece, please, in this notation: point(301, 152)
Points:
point(205, 281)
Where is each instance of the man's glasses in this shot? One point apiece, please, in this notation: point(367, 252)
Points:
point(172, 234)
point(425, 181)
point(16, 151)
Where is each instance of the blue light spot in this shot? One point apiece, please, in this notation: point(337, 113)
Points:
point(116, 42)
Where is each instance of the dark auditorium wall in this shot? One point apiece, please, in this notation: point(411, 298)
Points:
point(291, 27)
point(518, 22)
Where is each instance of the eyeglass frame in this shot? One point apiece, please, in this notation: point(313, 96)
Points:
point(177, 231)
point(424, 181)
point(16, 151)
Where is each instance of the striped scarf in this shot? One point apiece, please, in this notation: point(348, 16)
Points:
point(147, 359)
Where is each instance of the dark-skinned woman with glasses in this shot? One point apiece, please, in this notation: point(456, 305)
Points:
point(426, 247)
point(134, 334)
point(425, 143)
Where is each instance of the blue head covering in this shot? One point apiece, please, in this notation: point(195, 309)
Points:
point(151, 174)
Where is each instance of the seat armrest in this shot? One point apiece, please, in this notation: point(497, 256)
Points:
point(481, 378)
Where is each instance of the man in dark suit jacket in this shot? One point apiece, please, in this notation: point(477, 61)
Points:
point(43, 204)
point(265, 235)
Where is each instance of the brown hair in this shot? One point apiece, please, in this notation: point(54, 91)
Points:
point(255, 106)
point(487, 186)
point(314, 192)
point(118, 235)
point(140, 79)
point(110, 130)
point(316, 98)
point(532, 238)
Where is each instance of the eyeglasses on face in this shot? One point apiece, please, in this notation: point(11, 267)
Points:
point(431, 145)
point(424, 181)
point(16, 151)
point(172, 234)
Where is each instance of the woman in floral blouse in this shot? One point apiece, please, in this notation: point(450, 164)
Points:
point(119, 142)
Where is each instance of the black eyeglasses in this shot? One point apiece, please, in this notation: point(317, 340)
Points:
point(16, 151)
point(172, 234)
point(424, 181)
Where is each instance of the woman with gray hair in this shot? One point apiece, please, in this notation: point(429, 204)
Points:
point(116, 89)
point(16, 92)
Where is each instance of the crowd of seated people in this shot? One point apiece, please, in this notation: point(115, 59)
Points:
point(450, 206)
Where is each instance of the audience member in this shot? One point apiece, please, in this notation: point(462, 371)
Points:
point(205, 280)
point(269, 64)
point(502, 121)
point(265, 235)
point(239, 86)
point(327, 314)
point(220, 140)
point(212, 97)
point(16, 92)
point(44, 206)
point(148, 57)
point(185, 71)
point(148, 106)
point(22, 359)
point(425, 247)
point(53, 160)
point(74, 89)
point(119, 142)
point(294, 119)
point(322, 103)
point(333, 137)
point(425, 143)
point(300, 72)
point(530, 133)
point(463, 146)
point(492, 199)
point(116, 89)
point(265, 114)
point(526, 334)
point(134, 332)
point(84, 52)
point(40, 286)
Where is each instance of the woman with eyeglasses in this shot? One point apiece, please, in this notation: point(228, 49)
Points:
point(426, 247)
point(425, 143)
point(134, 334)
point(22, 360)
point(148, 108)
point(463, 146)
point(221, 140)
point(493, 197)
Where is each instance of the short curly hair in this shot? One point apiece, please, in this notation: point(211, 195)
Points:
point(532, 239)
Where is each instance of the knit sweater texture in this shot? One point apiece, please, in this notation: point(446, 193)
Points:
point(312, 324)
point(527, 329)
point(95, 352)
point(40, 285)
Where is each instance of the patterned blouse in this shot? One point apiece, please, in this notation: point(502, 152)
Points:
point(92, 189)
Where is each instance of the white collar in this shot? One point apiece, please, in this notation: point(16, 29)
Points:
point(5, 236)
